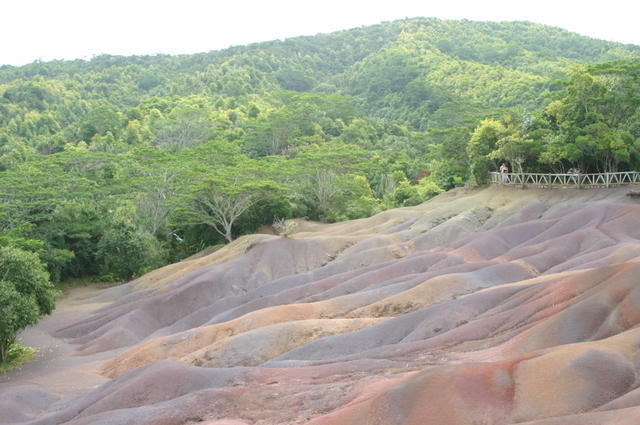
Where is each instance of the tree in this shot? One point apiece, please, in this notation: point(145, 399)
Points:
point(516, 149)
point(16, 313)
point(125, 248)
point(449, 163)
point(482, 143)
point(26, 294)
point(125, 251)
point(153, 206)
point(220, 210)
point(323, 187)
point(100, 120)
point(185, 126)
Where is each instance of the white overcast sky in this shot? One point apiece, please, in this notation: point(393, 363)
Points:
point(69, 29)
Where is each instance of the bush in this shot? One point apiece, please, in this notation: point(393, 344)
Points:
point(407, 195)
point(284, 227)
point(125, 252)
point(18, 355)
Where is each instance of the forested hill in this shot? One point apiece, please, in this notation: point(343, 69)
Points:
point(403, 69)
point(116, 165)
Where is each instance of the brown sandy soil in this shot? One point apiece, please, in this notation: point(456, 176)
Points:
point(481, 306)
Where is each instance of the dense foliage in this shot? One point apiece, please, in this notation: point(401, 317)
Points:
point(117, 165)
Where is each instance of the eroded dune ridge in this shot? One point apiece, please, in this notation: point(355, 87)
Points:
point(478, 307)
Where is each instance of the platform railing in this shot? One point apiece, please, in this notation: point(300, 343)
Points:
point(567, 179)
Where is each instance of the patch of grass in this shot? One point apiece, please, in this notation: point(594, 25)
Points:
point(85, 281)
point(18, 355)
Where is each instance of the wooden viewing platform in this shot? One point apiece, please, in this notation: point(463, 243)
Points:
point(579, 180)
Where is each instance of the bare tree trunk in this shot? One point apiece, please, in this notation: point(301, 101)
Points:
point(227, 234)
point(4, 351)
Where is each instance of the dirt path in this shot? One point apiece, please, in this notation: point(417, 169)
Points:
point(55, 368)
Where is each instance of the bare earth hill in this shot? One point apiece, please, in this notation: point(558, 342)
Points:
point(478, 307)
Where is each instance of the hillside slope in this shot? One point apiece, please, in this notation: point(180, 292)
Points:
point(480, 306)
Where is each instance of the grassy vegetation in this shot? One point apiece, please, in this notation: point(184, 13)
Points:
point(18, 355)
point(80, 282)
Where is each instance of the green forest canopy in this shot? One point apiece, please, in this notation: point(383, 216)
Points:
point(117, 165)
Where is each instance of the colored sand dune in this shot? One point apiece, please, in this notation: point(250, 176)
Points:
point(481, 306)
